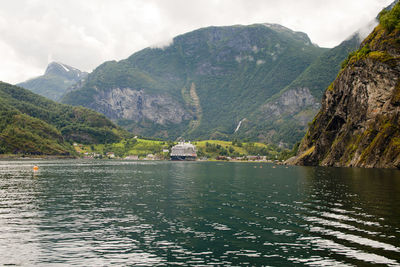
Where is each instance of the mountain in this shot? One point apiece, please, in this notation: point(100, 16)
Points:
point(358, 124)
point(55, 81)
point(203, 85)
point(32, 124)
point(286, 115)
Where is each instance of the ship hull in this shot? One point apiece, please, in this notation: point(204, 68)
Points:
point(183, 158)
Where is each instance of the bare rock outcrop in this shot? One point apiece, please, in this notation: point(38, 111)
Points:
point(290, 103)
point(136, 105)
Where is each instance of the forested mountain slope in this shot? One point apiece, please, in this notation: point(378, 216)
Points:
point(32, 124)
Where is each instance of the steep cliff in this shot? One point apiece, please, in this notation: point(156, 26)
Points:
point(359, 121)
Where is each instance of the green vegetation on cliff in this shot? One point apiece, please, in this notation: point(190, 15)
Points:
point(390, 19)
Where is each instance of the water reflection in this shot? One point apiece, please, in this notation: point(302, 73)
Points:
point(18, 213)
point(193, 213)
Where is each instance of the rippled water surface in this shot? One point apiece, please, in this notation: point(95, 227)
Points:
point(95, 213)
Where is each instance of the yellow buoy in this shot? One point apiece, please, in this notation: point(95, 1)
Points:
point(35, 168)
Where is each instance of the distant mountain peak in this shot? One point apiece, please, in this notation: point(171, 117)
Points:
point(55, 80)
point(58, 68)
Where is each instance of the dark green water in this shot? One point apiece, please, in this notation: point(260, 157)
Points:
point(102, 213)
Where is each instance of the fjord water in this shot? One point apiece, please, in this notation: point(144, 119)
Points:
point(102, 213)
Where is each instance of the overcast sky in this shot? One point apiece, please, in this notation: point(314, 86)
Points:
point(85, 33)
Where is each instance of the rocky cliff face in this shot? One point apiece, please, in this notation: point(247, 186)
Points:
point(290, 103)
point(136, 105)
point(359, 122)
point(286, 117)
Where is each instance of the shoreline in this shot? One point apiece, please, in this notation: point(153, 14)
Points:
point(53, 157)
point(22, 157)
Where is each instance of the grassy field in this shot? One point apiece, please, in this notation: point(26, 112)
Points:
point(214, 148)
point(210, 149)
point(127, 147)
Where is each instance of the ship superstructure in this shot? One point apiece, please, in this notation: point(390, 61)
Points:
point(183, 151)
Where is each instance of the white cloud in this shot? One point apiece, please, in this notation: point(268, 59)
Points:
point(86, 33)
